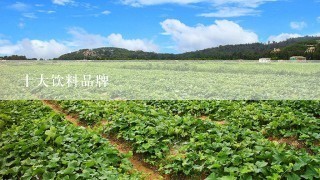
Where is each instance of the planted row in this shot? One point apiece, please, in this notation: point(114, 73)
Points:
point(47, 147)
point(173, 137)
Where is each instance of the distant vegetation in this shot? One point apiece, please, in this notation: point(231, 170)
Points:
point(282, 50)
point(16, 57)
point(303, 46)
point(110, 53)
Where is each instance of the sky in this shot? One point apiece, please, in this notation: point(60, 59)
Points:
point(50, 28)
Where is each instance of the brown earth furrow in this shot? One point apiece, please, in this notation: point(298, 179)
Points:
point(123, 147)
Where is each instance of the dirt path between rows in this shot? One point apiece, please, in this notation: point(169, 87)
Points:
point(122, 147)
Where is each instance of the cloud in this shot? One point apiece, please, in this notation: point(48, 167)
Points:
point(8, 49)
point(47, 11)
point(83, 39)
point(223, 32)
point(29, 15)
point(316, 34)
point(242, 3)
point(21, 25)
point(139, 3)
point(318, 19)
point(226, 12)
point(117, 40)
point(80, 39)
point(34, 48)
point(19, 6)
point(224, 8)
point(283, 37)
point(298, 25)
point(39, 5)
point(73, 3)
point(62, 2)
point(106, 12)
point(86, 15)
point(4, 42)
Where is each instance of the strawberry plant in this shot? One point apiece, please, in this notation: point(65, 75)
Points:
point(48, 147)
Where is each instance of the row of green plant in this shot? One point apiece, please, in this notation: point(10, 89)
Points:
point(297, 119)
point(88, 112)
point(171, 135)
point(37, 143)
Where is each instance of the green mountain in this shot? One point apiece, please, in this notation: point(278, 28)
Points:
point(110, 53)
point(303, 46)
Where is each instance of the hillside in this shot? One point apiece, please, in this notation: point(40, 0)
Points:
point(303, 46)
point(110, 53)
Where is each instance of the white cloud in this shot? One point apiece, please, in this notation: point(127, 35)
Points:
point(21, 25)
point(224, 8)
point(34, 48)
point(4, 42)
point(223, 32)
point(106, 12)
point(298, 25)
point(117, 40)
point(19, 6)
point(318, 19)
point(39, 5)
point(47, 11)
point(62, 2)
point(226, 12)
point(8, 49)
point(243, 3)
point(138, 3)
point(29, 15)
point(82, 39)
point(74, 3)
point(283, 37)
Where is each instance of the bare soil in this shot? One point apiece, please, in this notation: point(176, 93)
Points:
point(149, 172)
point(292, 141)
point(206, 118)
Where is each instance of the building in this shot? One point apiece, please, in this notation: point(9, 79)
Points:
point(298, 58)
point(276, 50)
point(311, 49)
point(265, 60)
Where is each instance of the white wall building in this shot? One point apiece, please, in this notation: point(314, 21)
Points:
point(265, 60)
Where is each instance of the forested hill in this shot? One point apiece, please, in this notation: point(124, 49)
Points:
point(110, 53)
point(303, 46)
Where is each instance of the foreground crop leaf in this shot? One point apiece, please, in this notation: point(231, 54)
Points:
point(227, 178)
point(311, 173)
point(49, 175)
point(51, 133)
point(261, 164)
point(293, 176)
point(67, 171)
point(212, 176)
point(90, 163)
point(59, 140)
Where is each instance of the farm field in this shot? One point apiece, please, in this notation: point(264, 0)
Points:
point(138, 126)
point(159, 139)
point(159, 80)
point(160, 90)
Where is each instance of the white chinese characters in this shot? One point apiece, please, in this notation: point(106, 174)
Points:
point(69, 80)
